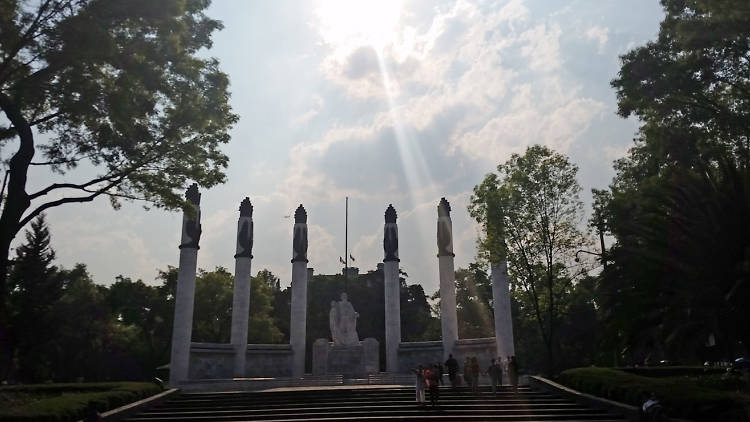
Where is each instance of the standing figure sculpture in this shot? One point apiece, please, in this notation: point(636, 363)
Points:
point(343, 322)
point(333, 318)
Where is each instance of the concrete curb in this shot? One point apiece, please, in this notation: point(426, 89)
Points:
point(123, 412)
point(628, 411)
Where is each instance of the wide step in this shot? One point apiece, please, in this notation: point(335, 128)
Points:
point(376, 404)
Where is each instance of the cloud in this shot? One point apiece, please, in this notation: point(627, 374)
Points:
point(600, 35)
point(315, 107)
point(542, 47)
point(446, 97)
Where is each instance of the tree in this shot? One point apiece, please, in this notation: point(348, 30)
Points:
point(421, 324)
point(35, 286)
point(116, 85)
point(212, 315)
point(147, 311)
point(679, 202)
point(212, 318)
point(599, 220)
point(474, 302)
point(691, 86)
point(531, 207)
point(88, 344)
point(262, 327)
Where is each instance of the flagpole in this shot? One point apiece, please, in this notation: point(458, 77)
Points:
point(346, 247)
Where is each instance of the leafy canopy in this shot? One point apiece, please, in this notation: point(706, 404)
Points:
point(118, 85)
point(690, 87)
point(530, 213)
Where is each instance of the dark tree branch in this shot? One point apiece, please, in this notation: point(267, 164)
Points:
point(82, 186)
point(12, 130)
point(58, 162)
point(23, 40)
point(69, 200)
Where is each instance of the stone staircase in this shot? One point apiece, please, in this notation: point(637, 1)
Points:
point(381, 404)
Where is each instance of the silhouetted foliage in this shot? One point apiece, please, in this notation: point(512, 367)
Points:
point(117, 86)
point(35, 286)
point(530, 214)
point(679, 205)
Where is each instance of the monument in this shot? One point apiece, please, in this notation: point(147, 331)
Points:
point(448, 317)
point(241, 298)
point(343, 322)
point(298, 320)
point(345, 354)
point(182, 330)
point(392, 287)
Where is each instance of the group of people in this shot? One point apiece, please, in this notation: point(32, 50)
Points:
point(430, 377)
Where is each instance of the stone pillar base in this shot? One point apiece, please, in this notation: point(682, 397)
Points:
point(350, 361)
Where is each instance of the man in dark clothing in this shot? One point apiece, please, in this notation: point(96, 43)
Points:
point(496, 375)
point(452, 365)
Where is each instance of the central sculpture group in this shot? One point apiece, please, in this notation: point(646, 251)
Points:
point(343, 322)
point(345, 354)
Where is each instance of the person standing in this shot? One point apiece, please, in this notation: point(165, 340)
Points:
point(433, 384)
point(452, 365)
point(495, 373)
point(467, 371)
point(474, 375)
point(419, 384)
point(513, 372)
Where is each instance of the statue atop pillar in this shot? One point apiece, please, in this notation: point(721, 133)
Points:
point(390, 235)
point(444, 229)
point(343, 322)
point(191, 226)
point(245, 232)
point(299, 243)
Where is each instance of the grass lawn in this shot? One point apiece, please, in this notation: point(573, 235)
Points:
point(67, 402)
point(710, 397)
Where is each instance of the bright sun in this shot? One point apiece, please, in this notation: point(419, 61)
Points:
point(359, 22)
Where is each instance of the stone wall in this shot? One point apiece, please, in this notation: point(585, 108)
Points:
point(215, 361)
point(484, 349)
point(412, 354)
point(350, 361)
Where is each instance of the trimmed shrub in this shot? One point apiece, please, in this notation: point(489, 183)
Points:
point(68, 402)
point(681, 397)
point(672, 371)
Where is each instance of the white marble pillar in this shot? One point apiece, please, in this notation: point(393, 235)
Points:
point(182, 328)
point(448, 317)
point(501, 303)
point(298, 319)
point(241, 300)
point(392, 291)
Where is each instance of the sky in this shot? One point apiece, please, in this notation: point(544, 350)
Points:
point(387, 102)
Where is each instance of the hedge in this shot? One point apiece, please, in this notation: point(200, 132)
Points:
point(68, 402)
point(681, 397)
point(673, 371)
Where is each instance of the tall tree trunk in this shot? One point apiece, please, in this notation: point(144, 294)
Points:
point(603, 256)
point(15, 204)
point(551, 319)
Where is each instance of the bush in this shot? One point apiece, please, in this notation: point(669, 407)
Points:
point(68, 402)
point(672, 371)
point(681, 397)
